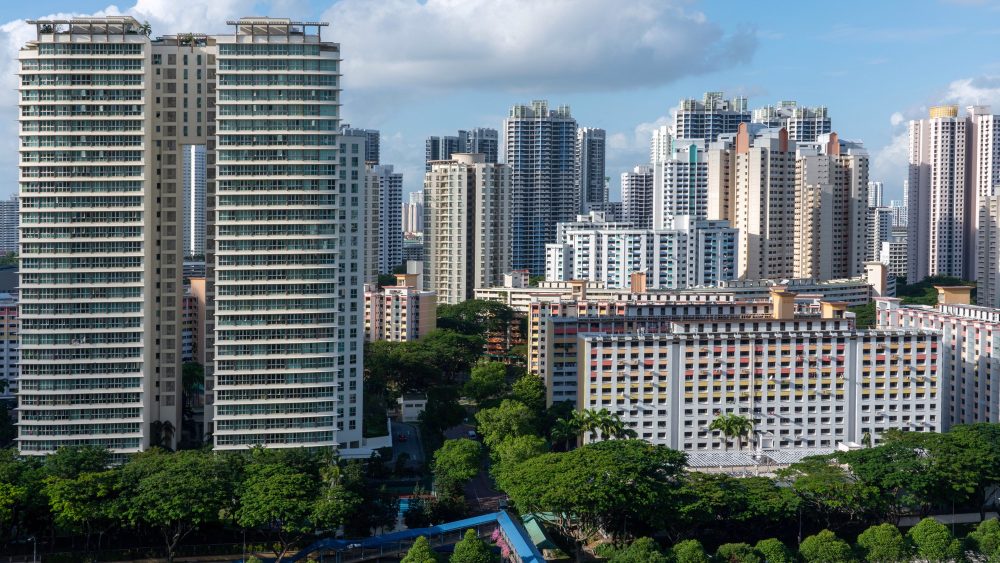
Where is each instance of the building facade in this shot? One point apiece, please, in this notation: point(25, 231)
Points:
point(804, 124)
point(194, 199)
point(539, 148)
point(482, 140)
point(10, 221)
point(400, 313)
point(467, 226)
point(709, 117)
point(592, 185)
point(390, 226)
point(680, 185)
point(10, 325)
point(372, 143)
point(637, 196)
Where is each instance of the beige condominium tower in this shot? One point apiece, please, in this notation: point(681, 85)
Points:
point(106, 112)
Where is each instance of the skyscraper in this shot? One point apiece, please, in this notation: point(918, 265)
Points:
point(194, 199)
point(592, 185)
point(660, 145)
point(482, 140)
point(10, 220)
point(390, 233)
point(539, 147)
point(104, 319)
point(680, 185)
point(874, 194)
point(373, 142)
point(467, 226)
point(413, 213)
point(938, 196)
point(637, 196)
point(710, 117)
point(804, 124)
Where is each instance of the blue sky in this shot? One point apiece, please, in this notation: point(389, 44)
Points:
point(414, 69)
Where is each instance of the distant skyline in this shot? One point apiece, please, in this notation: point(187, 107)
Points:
point(414, 69)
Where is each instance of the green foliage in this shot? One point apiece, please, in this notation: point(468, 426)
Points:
point(174, 493)
point(8, 430)
point(277, 499)
point(933, 541)
point(923, 292)
point(455, 463)
point(530, 390)
point(750, 501)
point(828, 489)
point(81, 503)
point(471, 549)
point(613, 486)
point(443, 410)
point(986, 538)
point(610, 426)
point(421, 552)
point(864, 315)
point(488, 380)
point(69, 462)
point(509, 418)
point(883, 544)
point(825, 547)
point(9, 259)
point(737, 553)
point(475, 317)
point(732, 426)
point(512, 451)
point(689, 551)
point(642, 550)
point(773, 551)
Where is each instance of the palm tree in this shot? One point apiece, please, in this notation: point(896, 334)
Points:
point(146, 29)
point(732, 426)
point(564, 431)
point(168, 434)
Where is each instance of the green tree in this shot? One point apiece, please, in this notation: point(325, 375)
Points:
point(455, 463)
point(642, 550)
point(609, 426)
point(475, 317)
point(512, 451)
point(451, 352)
point(933, 541)
point(509, 418)
point(985, 539)
point(737, 553)
point(277, 500)
point(421, 552)
point(829, 490)
point(83, 504)
point(883, 544)
point(443, 410)
point(689, 551)
point(825, 547)
point(8, 430)
point(732, 426)
point(623, 487)
point(530, 390)
point(174, 493)
point(488, 380)
point(774, 551)
point(69, 462)
point(471, 549)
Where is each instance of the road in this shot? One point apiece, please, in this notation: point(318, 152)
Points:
point(411, 446)
point(480, 493)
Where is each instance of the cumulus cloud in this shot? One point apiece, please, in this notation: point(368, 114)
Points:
point(529, 45)
point(981, 90)
point(896, 118)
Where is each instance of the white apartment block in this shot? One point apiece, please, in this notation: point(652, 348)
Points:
point(938, 196)
point(194, 199)
point(10, 221)
point(710, 117)
point(875, 192)
point(637, 196)
point(970, 342)
point(539, 147)
point(879, 227)
point(804, 124)
point(692, 254)
point(680, 184)
point(804, 381)
point(894, 255)
point(899, 212)
point(661, 144)
point(352, 149)
point(390, 229)
point(104, 198)
point(467, 226)
point(400, 313)
point(592, 185)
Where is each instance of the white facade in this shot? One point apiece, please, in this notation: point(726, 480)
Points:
point(709, 117)
point(637, 196)
point(875, 194)
point(194, 199)
point(661, 144)
point(680, 185)
point(694, 253)
point(592, 185)
point(804, 124)
point(899, 212)
point(879, 231)
point(938, 196)
point(467, 226)
point(893, 254)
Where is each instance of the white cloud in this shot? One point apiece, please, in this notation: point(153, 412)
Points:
point(981, 90)
point(896, 119)
point(522, 45)
point(889, 164)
